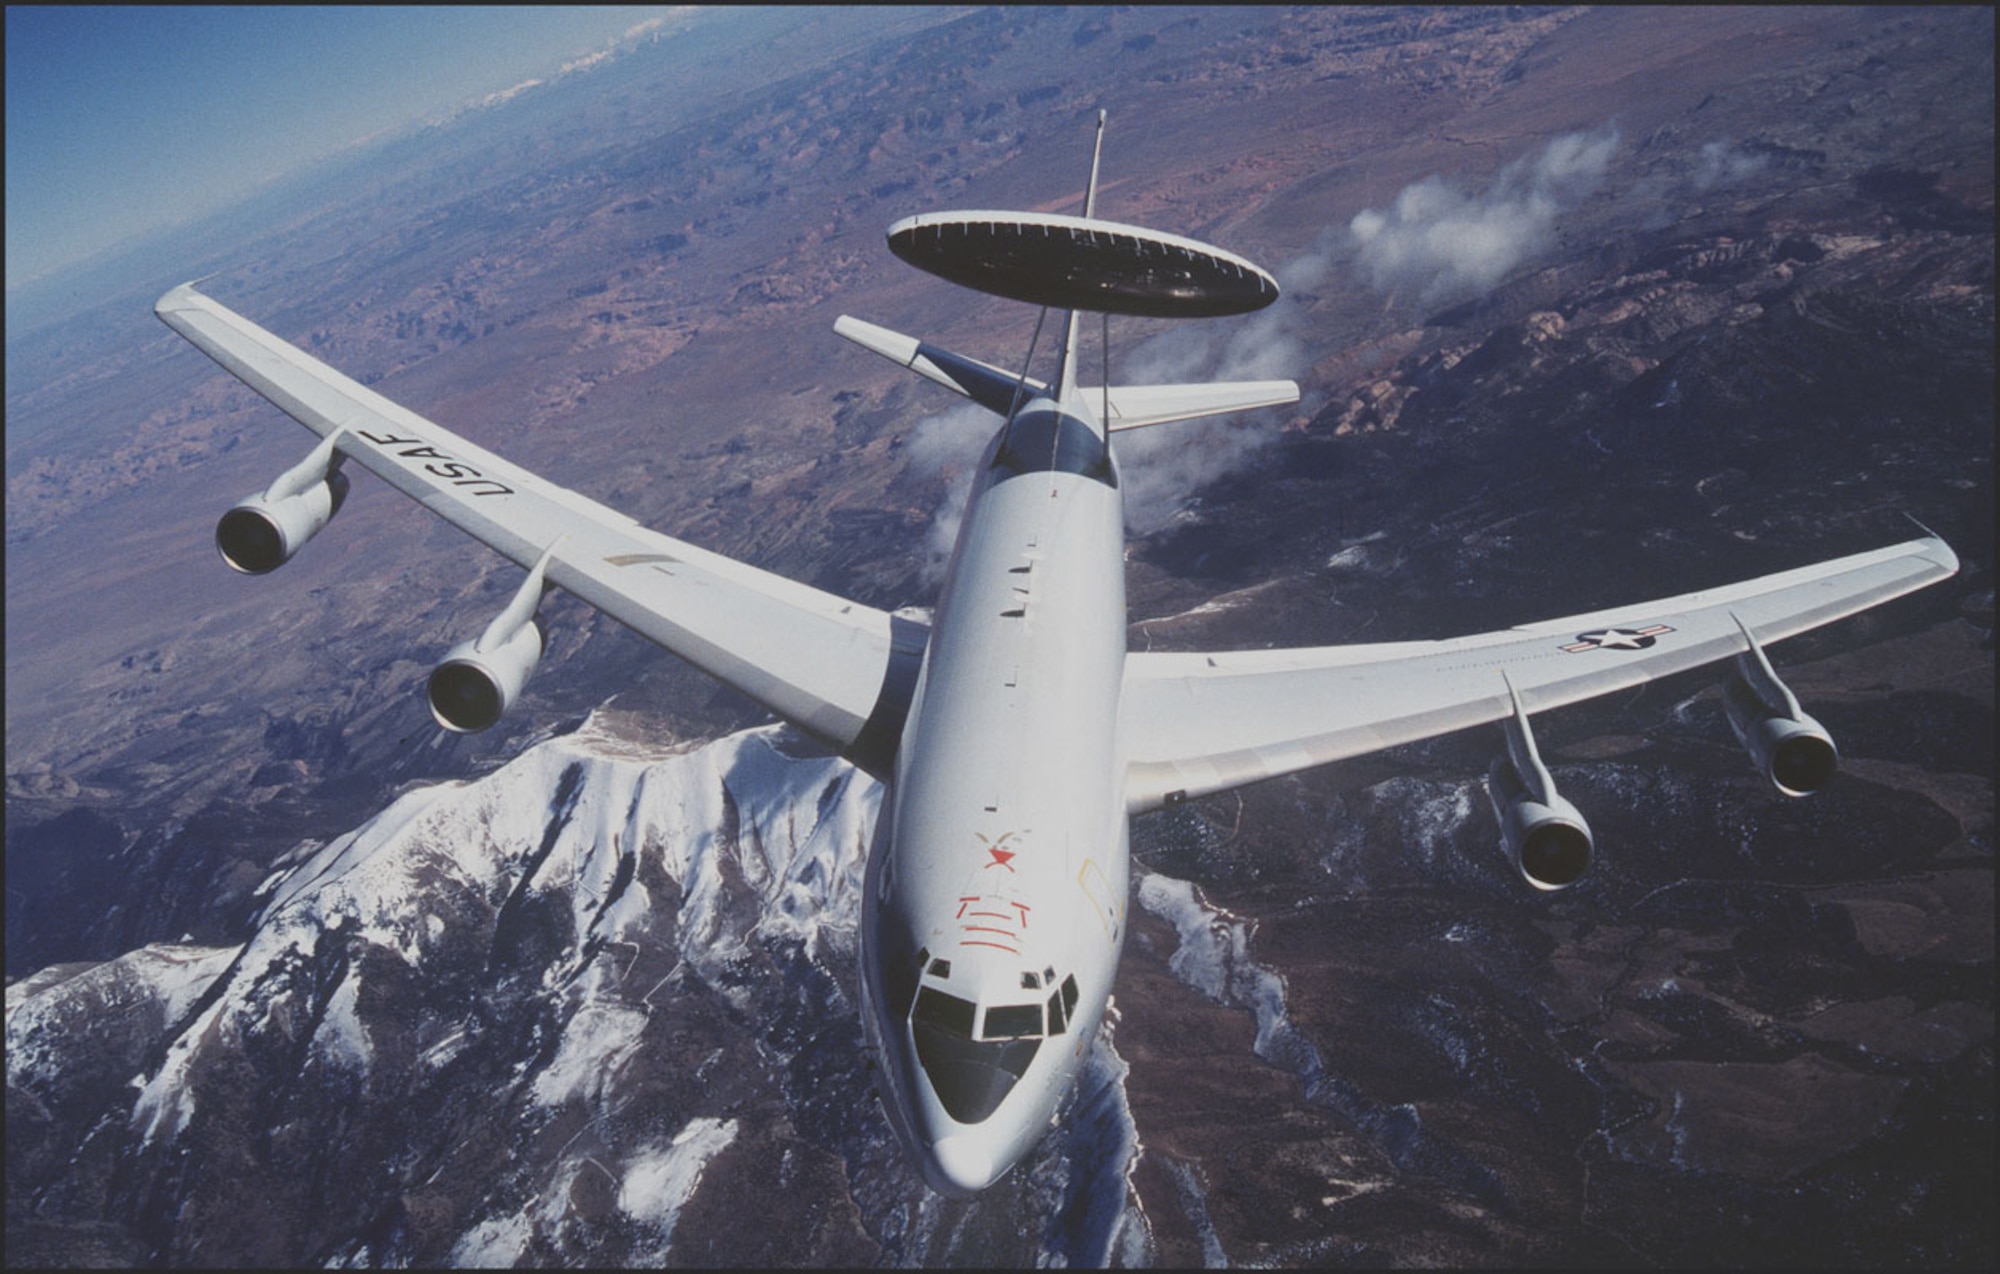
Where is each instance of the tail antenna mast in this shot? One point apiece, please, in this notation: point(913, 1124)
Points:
point(1066, 367)
point(1096, 153)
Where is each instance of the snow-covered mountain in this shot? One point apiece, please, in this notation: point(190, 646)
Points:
point(594, 1007)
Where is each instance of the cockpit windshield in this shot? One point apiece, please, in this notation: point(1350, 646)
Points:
point(971, 1077)
point(974, 1057)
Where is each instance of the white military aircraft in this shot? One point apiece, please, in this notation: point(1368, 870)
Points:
point(1015, 734)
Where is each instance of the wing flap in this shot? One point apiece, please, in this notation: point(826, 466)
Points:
point(1199, 723)
point(830, 666)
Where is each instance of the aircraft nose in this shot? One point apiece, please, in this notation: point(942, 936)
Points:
point(964, 1163)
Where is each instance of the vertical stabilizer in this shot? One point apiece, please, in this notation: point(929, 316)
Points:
point(1096, 153)
point(1066, 375)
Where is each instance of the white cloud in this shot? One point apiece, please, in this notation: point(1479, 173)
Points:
point(1446, 245)
point(1725, 164)
point(947, 446)
point(1164, 465)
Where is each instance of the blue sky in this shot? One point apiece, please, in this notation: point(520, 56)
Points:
point(122, 120)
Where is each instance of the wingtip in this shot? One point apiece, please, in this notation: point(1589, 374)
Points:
point(181, 297)
point(1946, 557)
point(176, 299)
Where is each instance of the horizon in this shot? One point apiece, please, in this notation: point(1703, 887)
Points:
point(106, 148)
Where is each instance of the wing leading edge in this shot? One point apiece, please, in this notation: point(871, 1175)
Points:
point(837, 669)
point(1199, 723)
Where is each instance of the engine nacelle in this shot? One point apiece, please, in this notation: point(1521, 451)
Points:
point(1792, 750)
point(479, 680)
point(473, 688)
point(260, 534)
point(1545, 835)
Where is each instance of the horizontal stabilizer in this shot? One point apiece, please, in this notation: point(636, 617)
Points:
point(993, 388)
point(1134, 406)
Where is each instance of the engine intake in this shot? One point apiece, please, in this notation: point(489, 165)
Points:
point(1546, 836)
point(261, 532)
point(479, 680)
point(473, 688)
point(1794, 752)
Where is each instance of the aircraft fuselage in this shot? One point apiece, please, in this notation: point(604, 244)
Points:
point(995, 902)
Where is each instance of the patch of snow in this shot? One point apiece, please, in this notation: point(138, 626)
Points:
point(341, 1037)
point(1082, 1177)
point(1214, 958)
point(658, 1184)
point(166, 1102)
point(601, 1036)
point(497, 1243)
point(1194, 1202)
point(45, 1016)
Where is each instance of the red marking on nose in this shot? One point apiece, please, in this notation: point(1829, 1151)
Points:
point(1002, 858)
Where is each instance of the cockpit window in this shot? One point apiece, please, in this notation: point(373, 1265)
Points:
point(940, 968)
point(1013, 1022)
point(1056, 1014)
point(1031, 980)
point(1069, 995)
point(946, 1013)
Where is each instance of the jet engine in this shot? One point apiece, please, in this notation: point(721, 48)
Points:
point(1546, 837)
point(262, 531)
point(1794, 751)
point(479, 680)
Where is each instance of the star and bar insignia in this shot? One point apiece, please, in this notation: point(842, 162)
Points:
point(1617, 638)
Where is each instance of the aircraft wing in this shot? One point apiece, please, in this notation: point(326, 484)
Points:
point(1199, 723)
point(837, 669)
